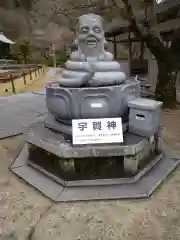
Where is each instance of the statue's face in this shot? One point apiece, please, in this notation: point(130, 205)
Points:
point(90, 32)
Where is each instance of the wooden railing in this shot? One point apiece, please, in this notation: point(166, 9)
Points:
point(13, 72)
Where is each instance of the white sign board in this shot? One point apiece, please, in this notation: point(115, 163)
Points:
point(97, 131)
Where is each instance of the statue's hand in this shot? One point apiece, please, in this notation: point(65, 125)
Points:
point(118, 81)
point(92, 67)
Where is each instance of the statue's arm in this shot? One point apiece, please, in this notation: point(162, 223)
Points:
point(109, 56)
point(76, 56)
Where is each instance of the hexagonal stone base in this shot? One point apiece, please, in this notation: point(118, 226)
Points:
point(142, 188)
point(61, 145)
point(132, 150)
point(87, 171)
point(131, 154)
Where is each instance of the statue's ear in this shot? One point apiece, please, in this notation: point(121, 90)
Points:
point(77, 25)
point(105, 45)
point(74, 46)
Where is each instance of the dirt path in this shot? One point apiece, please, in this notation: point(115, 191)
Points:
point(26, 214)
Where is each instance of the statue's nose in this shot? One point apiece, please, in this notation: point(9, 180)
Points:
point(91, 32)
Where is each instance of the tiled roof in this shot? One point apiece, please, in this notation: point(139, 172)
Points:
point(5, 39)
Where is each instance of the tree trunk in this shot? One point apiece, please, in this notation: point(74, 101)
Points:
point(166, 85)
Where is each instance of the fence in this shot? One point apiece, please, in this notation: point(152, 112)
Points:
point(13, 72)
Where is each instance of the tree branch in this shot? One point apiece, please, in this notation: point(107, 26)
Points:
point(175, 44)
point(145, 34)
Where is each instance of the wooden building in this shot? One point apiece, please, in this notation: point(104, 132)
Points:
point(4, 46)
point(118, 32)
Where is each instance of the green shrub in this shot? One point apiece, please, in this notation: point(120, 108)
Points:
point(48, 61)
point(61, 58)
point(122, 57)
point(22, 50)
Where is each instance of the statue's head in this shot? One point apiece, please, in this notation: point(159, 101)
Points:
point(90, 31)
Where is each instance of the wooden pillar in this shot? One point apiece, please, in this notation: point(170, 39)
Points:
point(35, 72)
point(24, 77)
point(115, 47)
point(54, 55)
point(12, 84)
point(142, 50)
point(130, 52)
point(30, 73)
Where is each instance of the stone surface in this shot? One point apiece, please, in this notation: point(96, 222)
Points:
point(20, 206)
point(51, 73)
point(41, 92)
point(156, 218)
point(19, 111)
point(132, 163)
point(142, 188)
point(66, 173)
point(57, 144)
point(44, 184)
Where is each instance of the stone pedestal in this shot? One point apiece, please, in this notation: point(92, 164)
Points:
point(141, 175)
point(129, 157)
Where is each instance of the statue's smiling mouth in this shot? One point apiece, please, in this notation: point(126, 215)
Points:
point(91, 41)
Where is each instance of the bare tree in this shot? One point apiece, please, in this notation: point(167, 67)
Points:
point(62, 12)
point(168, 57)
point(12, 23)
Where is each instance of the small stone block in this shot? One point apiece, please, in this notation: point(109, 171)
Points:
point(144, 116)
point(131, 164)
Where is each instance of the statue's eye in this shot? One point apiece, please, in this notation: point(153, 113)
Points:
point(84, 30)
point(96, 29)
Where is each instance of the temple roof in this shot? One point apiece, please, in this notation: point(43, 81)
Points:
point(121, 27)
point(4, 39)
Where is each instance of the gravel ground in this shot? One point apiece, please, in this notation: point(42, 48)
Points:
point(26, 215)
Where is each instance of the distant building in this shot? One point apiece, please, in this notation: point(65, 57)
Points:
point(4, 46)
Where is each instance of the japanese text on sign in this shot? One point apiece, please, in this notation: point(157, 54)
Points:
point(105, 130)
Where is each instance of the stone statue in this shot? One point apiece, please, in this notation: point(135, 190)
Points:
point(90, 64)
point(92, 85)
